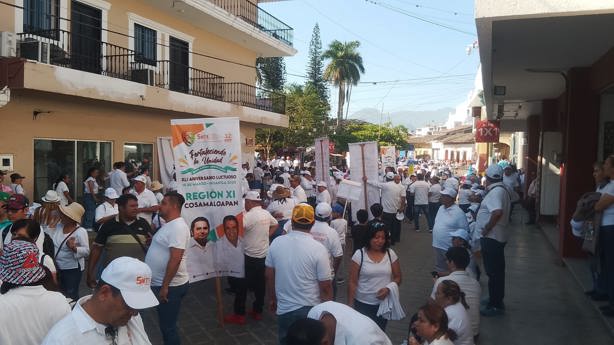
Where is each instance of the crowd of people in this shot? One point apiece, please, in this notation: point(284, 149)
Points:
point(295, 233)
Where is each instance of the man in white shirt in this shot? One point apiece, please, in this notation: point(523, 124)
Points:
point(531, 199)
point(258, 172)
point(457, 260)
point(323, 233)
point(449, 218)
point(286, 176)
point(308, 184)
point(258, 225)
point(420, 189)
point(111, 314)
point(298, 193)
point(27, 309)
point(298, 272)
point(434, 203)
point(491, 221)
point(344, 325)
point(323, 194)
point(148, 203)
point(393, 202)
point(118, 179)
point(167, 260)
point(108, 209)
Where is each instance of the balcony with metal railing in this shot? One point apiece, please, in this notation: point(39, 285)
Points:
point(257, 17)
point(62, 48)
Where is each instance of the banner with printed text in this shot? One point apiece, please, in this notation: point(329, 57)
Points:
point(207, 155)
point(388, 156)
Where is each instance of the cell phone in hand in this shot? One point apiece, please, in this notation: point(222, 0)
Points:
point(435, 274)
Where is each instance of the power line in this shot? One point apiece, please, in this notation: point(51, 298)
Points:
point(409, 14)
point(420, 6)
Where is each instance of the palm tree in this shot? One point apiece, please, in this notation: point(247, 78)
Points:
point(343, 70)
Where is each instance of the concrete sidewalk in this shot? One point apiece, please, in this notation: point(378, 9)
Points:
point(545, 305)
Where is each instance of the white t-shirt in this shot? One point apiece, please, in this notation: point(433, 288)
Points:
point(323, 233)
point(435, 192)
point(392, 193)
point(17, 188)
point(174, 234)
point(353, 328)
point(106, 209)
point(86, 188)
point(284, 208)
point(447, 221)
point(256, 224)
point(497, 198)
point(118, 181)
point(308, 186)
point(28, 313)
point(78, 328)
point(420, 190)
point(463, 196)
point(66, 258)
point(323, 197)
point(473, 293)
point(300, 263)
point(60, 189)
point(608, 213)
point(460, 323)
point(341, 226)
point(372, 276)
point(146, 199)
point(299, 194)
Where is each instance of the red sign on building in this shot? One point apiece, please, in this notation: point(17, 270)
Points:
point(487, 132)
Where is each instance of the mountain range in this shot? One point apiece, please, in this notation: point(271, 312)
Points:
point(411, 119)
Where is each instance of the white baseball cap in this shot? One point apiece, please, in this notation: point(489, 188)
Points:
point(306, 172)
point(132, 278)
point(253, 196)
point(494, 171)
point(322, 184)
point(323, 210)
point(110, 193)
point(461, 233)
point(390, 175)
point(451, 192)
point(140, 178)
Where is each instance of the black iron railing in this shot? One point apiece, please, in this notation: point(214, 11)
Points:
point(61, 48)
point(254, 97)
point(257, 17)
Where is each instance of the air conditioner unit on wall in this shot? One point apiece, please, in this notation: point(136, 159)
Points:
point(8, 44)
point(32, 49)
point(143, 76)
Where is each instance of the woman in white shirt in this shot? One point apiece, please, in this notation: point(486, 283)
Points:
point(463, 196)
point(373, 267)
point(432, 327)
point(71, 247)
point(61, 187)
point(450, 297)
point(48, 214)
point(90, 197)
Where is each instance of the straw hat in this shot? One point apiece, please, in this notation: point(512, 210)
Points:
point(155, 185)
point(281, 192)
point(73, 211)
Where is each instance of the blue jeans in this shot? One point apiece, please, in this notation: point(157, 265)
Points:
point(607, 247)
point(69, 282)
point(420, 209)
point(284, 321)
point(370, 310)
point(493, 256)
point(168, 312)
point(90, 211)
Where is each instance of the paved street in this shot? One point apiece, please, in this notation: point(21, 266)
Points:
point(544, 303)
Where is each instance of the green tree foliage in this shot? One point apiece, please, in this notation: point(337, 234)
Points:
point(307, 116)
point(353, 131)
point(343, 70)
point(315, 65)
point(271, 73)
